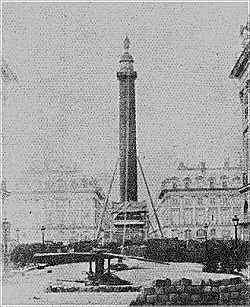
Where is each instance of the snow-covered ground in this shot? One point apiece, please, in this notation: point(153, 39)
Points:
point(29, 287)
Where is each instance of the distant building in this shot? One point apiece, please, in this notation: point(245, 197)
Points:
point(240, 72)
point(199, 195)
point(65, 202)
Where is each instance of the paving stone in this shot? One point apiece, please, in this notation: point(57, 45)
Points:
point(158, 283)
point(225, 282)
point(196, 298)
point(231, 288)
point(151, 299)
point(167, 282)
point(207, 289)
point(241, 287)
point(184, 298)
point(234, 294)
point(223, 289)
point(163, 298)
point(183, 281)
point(173, 298)
point(180, 288)
point(141, 299)
point(235, 280)
point(194, 289)
point(159, 290)
point(170, 289)
point(215, 289)
point(224, 297)
point(148, 290)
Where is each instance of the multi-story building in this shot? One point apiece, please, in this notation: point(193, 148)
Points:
point(240, 72)
point(199, 195)
point(65, 202)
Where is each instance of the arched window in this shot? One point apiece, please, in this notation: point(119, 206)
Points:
point(175, 185)
point(211, 182)
point(213, 232)
point(187, 182)
point(224, 184)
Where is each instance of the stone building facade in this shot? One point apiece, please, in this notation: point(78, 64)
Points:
point(199, 195)
point(240, 73)
point(65, 202)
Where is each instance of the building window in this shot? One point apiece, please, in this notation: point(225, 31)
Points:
point(188, 216)
point(211, 183)
point(224, 184)
point(213, 214)
point(175, 217)
point(188, 234)
point(225, 216)
point(200, 233)
point(187, 182)
point(213, 232)
point(174, 185)
point(199, 216)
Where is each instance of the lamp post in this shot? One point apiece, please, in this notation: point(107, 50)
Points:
point(235, 220)
point(17, 235)
point(205, 229)
point(43, 230)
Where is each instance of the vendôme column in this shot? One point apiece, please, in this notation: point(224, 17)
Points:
point(128, 160)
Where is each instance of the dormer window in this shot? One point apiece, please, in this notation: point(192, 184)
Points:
point(174, 185)
point(224, 184)
point(211, 182)
point(187, 182)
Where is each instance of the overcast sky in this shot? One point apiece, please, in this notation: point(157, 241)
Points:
point(64, 107)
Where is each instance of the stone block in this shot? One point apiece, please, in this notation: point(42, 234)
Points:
point(216, 283)
point(159, 290)
point(163, 298)
point(223, 289)
point(173, 298)
point(148, 290)
point(167, 282)
point(244, 295)
point(215, 289)
point(133, 303)
point(210, 298)
point(207, 289)
point(184, 298)
point(234, 295)
point(170, 289)
point(158, 283)
point(183, 282)
point(204, 283)
point(225, 282)
point(231, 288)
point(194, 289)
point(235, 280)
point(151, 299)
point(241, 287)
point(223, 297)
point(180, 288)
point(141, 299)
point(196, 298)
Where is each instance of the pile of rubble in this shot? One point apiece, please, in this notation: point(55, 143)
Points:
point(233, 291)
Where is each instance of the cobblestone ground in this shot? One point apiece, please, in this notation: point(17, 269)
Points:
point(22, 288)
